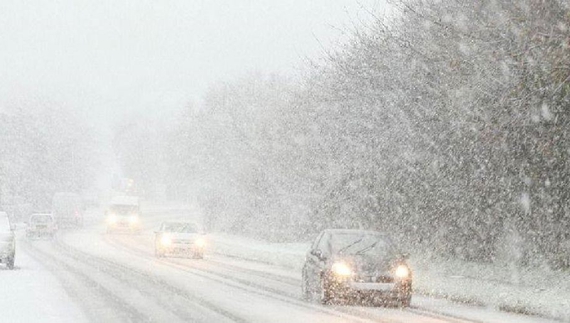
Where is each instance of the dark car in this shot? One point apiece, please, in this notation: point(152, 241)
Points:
point(67, 210)
point(7, 242)
point(356, 265)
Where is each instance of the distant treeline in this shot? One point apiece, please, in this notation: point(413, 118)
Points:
point(446, 124)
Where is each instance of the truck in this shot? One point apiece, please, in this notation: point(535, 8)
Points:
point(68, 209)
point(123, 214)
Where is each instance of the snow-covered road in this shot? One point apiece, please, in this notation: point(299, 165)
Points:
point(116, 278)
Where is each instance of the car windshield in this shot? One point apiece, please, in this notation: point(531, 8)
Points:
point(361, 244)
point(180, 227)
point(41, 218)
point(123, 209)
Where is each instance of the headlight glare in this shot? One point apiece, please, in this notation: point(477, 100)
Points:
point(341, 269)
point(112, 219)
point(133, 219)
point(402, 271)
point(200, 242)
point(165, 240)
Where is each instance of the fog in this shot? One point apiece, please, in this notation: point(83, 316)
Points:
point(293, 161)
point(111, 58)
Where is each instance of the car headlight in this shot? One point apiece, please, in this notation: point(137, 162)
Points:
point(200, 242)
point(166, 241)
point(133, 219)
point(402, 271)
point(112, 219)
point(341, 269)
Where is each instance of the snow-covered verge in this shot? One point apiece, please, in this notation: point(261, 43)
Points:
point(537, 292)
point(32, 294)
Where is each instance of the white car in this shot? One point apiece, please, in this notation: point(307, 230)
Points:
point(7, 242)
point(179, 238)
point(41, 225)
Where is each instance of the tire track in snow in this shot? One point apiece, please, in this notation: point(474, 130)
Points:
point(82, 286)
point(177, 300)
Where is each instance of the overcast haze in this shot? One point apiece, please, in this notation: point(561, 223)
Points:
point(115, 57)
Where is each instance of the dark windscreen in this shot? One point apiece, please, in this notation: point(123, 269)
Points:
point(361, 244)
point(40, 218)
point(180, 227)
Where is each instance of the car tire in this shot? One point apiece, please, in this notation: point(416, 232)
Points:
point(158, 253)
point(406, 301)
point(10, 262)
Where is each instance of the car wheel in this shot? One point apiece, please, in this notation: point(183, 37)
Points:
point(10, 262)
point(406, 301)
point(158, 253)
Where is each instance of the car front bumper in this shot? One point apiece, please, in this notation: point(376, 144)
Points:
point(182, 248)
point(124, 225)
point(360, 290)
point(40, 231)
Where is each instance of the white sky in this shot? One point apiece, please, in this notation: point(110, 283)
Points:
point(112, 57)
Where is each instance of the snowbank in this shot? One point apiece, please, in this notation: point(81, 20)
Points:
point(33, 294)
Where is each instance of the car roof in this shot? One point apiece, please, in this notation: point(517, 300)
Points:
point(179, 222)
point(348, 231)
point(35, 214)
point(125, 200)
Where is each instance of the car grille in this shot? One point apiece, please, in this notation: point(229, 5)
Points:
point(181, 241)
point(375, 279)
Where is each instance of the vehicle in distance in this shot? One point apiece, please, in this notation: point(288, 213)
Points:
point(123, 215)
point(356, 266)
point(41, 225)
point(67, 209)
point(179, 238)
point(7, 241)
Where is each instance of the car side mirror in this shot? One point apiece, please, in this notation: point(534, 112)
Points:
point(318, 253)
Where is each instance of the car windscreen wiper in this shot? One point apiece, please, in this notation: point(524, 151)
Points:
point(350, 245)
point(361, 251)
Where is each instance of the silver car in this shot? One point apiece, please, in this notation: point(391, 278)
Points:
point(179, 238)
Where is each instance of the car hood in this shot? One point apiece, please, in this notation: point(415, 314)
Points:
point(366, 264)
point(182, 236)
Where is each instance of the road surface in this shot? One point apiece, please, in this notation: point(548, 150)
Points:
point(103, 277)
